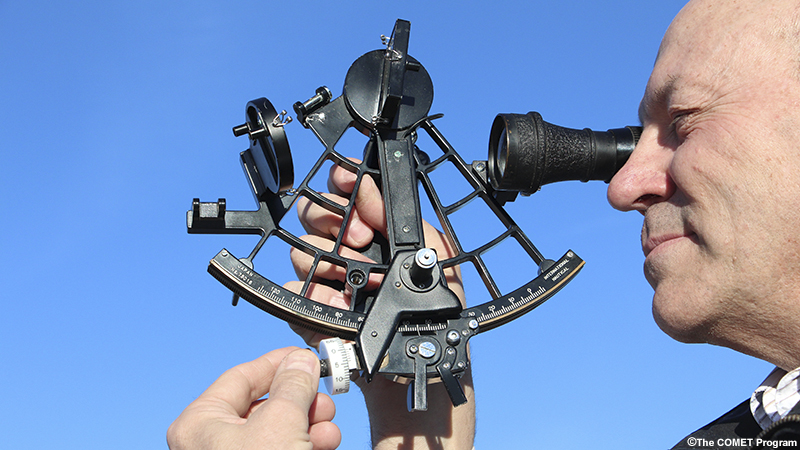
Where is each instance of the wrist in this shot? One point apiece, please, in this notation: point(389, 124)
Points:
point(442, 425)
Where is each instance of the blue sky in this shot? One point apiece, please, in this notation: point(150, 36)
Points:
point(114, 115)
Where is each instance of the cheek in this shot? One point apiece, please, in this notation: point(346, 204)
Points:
point(713, 179)
point(738, 201)
point(705, 162)
point(716, 205)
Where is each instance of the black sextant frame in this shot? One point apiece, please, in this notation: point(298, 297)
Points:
point(387, 95)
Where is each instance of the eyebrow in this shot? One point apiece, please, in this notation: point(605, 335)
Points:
point(656, 98)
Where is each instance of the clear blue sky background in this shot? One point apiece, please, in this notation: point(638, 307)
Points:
point(114, 115)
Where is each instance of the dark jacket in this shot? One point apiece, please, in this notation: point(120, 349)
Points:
point(737, 430)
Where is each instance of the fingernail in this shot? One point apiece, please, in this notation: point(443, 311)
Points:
point(301, 360)
point(359, 233)
point(349, 177)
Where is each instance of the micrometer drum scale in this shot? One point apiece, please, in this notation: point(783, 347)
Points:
point(412, 327)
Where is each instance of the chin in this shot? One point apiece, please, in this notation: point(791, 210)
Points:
point(681, 318)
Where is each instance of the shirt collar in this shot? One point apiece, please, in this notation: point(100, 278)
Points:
point(776, 397)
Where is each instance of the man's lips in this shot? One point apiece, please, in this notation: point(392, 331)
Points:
point(652, 242)
point(667, 223)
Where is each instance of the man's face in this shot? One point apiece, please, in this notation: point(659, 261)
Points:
point(717, 173)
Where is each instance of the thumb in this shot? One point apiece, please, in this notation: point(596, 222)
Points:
point(293, 388)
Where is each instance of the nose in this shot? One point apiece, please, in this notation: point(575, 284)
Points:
point(644, 179)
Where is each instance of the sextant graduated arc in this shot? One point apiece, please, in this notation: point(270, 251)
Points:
point(328, 320)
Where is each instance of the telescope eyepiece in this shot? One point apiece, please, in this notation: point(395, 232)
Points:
point(525, 152)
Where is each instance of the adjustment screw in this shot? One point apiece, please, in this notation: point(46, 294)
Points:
point(425, 258)
point(240, 130)
point(421, 270)
point(246, 128)
point(322, 97)
point(357, 278)
point(427, 349)
point(453, 337)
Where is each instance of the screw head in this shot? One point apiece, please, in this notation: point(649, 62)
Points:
point(357, 277)
point(453, 337)
point(425, 258)
point(427, 349)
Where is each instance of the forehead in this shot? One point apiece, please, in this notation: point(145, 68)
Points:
point(714, 48)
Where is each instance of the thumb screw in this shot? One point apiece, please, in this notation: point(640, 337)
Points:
point(303, 109)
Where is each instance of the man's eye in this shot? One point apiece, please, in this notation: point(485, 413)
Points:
point(679, 125)
point(676, 120)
